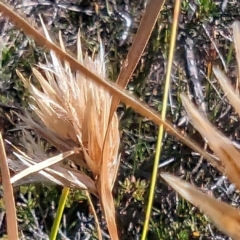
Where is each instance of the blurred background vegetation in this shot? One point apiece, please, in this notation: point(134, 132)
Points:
point(204, 33)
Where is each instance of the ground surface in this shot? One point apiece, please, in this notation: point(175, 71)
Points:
point(201, 23)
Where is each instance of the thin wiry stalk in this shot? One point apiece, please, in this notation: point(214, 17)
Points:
point(163, 115)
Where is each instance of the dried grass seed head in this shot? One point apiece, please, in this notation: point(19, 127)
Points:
point(74, 110)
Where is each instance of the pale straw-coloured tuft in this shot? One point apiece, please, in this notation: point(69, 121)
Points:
point(226, 218)
point(73, 115)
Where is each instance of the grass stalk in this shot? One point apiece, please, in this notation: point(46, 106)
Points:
point(59, 214)
point(163, 115)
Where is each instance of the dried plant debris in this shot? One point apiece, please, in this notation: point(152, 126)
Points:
point(223, 215)
point(73, 115)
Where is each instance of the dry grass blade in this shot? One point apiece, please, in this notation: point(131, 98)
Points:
point(40, 166)
point(139, 43)
point(220, 144)
point(226, 218)
point(231, 94)
point(95, 216)
point(57, 174)
point(117, 92)
point(236, 38)
point(12, 228)
point(107, 200)
point(74, 179)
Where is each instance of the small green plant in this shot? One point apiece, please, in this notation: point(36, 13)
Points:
point(207, 8)
point(134, 188)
